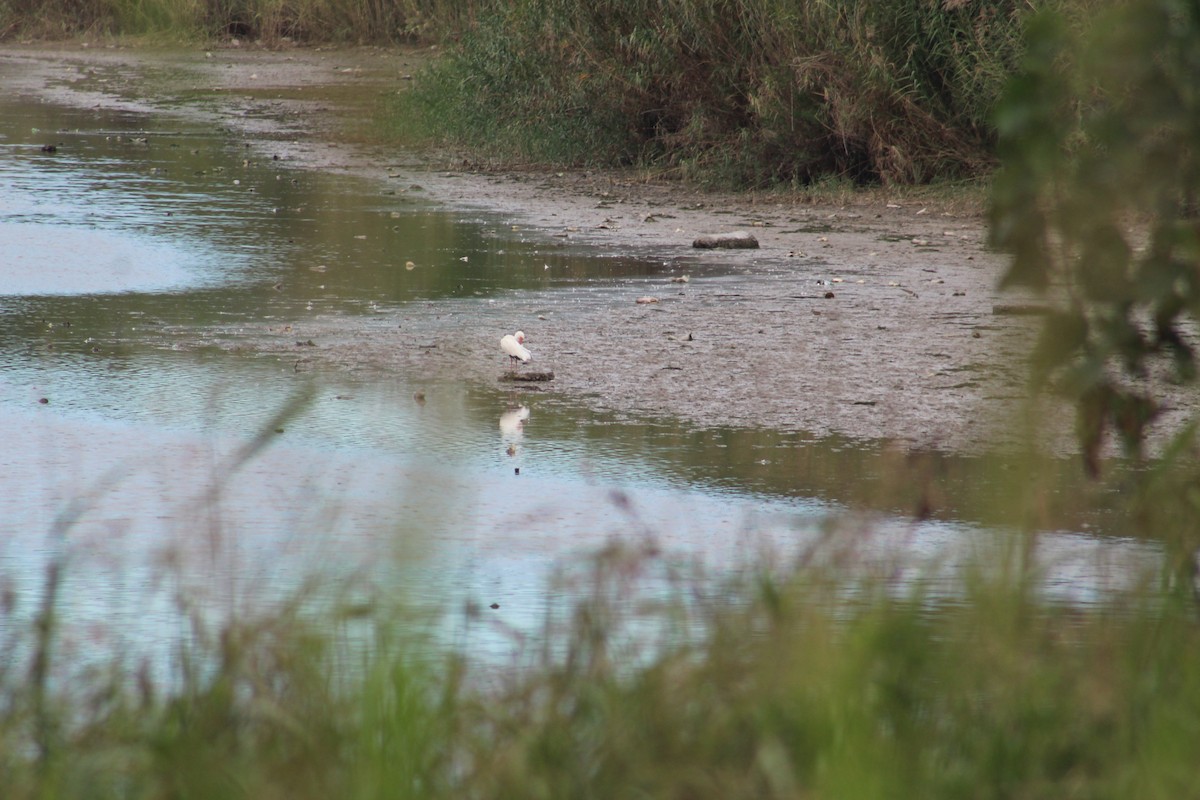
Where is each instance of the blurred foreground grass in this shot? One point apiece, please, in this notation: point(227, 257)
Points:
point(787, 682)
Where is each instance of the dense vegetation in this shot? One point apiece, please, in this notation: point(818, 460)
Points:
point(742, 92)
point(750, 92)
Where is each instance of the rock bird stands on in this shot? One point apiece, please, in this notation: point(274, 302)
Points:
point(513, 346)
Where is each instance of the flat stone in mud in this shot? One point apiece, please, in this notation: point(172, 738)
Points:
point(735, 240)
point(533, 376)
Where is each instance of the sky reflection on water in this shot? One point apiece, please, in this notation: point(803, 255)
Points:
point(111, 237)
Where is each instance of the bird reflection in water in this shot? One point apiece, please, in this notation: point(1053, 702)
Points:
point(512, 430)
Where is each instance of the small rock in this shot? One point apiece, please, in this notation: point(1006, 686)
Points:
point(646, 300)
point(735, 240)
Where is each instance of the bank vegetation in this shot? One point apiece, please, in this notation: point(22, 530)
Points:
point(729, 92)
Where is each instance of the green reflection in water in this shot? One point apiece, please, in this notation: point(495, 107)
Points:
point(311, 235)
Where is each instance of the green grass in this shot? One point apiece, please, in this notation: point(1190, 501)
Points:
point(797, 683)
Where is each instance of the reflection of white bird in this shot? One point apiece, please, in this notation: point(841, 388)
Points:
point(512, 429)
point(513, 346)
point(512, 422)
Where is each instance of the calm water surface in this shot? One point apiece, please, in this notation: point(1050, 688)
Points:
point(144, 465)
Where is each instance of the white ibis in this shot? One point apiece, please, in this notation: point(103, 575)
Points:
point(514, 347)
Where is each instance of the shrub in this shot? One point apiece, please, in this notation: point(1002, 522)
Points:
point(1097, 202)
point(754, 91)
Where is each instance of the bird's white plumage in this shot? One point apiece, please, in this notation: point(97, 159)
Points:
point(512, 345)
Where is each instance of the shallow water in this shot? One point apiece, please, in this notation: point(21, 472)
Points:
point(169, 477)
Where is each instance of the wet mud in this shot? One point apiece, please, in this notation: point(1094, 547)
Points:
point(874, 320)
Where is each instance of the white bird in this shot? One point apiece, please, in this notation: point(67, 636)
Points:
point(513, 346)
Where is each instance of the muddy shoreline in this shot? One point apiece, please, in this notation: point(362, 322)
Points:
point(874, 320)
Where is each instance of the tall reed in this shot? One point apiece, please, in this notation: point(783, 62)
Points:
point(757, 91)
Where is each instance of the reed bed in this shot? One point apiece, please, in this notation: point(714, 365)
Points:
point(751, 92)
point(741, 92)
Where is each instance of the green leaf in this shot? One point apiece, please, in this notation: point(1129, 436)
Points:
point(1104, 266)
point(1062, 339)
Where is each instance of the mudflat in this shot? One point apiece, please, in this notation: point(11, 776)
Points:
point(877, 318)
